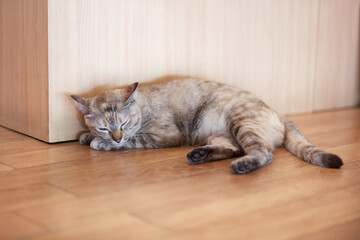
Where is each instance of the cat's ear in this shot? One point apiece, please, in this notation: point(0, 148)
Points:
point(83, 104)
point(130, 92)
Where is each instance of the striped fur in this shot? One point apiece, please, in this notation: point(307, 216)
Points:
point(223, 121)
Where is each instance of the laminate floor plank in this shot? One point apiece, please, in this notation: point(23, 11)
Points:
point(345, 230)
point(13, 227)
point(323, 122)
point(5, 168)
point(13, 199)
point(287, 221)
point(113, 226)
point(242, 198)
point(334, 138)
point(7, 135)
point(31, 154)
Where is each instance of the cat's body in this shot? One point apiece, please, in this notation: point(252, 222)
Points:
point(221, 120)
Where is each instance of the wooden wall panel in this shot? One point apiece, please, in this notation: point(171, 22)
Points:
point(267, 47)
point(23, 67)
point(337, 78)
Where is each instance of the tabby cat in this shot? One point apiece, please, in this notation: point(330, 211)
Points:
point(220, 120)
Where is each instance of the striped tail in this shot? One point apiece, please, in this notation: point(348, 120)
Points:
point(296, 143)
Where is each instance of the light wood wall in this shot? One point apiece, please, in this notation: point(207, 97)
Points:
point(337, 78)
point(299, 55)
point(24, 67)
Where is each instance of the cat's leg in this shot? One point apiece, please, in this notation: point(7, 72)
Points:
point(139, 141)
point(217, 148)
point(86, 138)
point(258, 153)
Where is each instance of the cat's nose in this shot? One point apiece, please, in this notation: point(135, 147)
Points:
point(116, 136)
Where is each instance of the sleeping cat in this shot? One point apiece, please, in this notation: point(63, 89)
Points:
point(220, 120)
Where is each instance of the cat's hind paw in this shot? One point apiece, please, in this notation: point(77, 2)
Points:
point(247, 164)
point(244, 165)
point(198, 155)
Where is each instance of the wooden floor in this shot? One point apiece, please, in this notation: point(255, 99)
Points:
point(68, 191)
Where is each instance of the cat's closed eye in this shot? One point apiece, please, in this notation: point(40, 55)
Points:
point(123, 123)
point(104, 130)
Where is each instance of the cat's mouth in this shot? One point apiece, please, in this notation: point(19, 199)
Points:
point(119, 143)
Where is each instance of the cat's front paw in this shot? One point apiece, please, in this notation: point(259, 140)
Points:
point(86, 138)
point(100, 144)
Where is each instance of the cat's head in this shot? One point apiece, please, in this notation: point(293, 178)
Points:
point(108, 114)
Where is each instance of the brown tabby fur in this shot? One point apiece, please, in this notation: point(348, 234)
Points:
point(222, 121)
